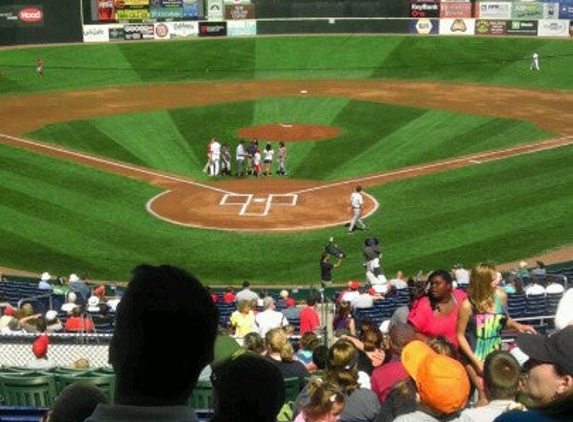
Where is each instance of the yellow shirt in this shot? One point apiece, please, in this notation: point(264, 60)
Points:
point(244, 323)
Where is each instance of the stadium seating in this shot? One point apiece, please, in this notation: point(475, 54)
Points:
point(21, 413)
point(516, 305)
point(105, 382)
point(28, 389)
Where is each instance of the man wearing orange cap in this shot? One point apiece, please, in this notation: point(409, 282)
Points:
point(442, 383)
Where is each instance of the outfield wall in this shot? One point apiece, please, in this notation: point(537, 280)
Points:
point(40, 21)
point(66, 21)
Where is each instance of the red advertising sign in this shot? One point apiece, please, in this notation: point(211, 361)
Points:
point(106, 10)
point(31, 15)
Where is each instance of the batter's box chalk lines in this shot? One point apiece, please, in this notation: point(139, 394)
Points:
point(259, 206)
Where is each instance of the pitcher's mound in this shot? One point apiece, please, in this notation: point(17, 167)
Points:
point(288, 132)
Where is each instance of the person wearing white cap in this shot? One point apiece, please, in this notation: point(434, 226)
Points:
point(93, 303)
point(53, 323)
point(70, 304)
point(44, 283)
point(79, 286)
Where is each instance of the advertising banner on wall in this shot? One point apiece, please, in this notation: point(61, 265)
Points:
point(193, 9)
point(183, 29)
point(212, 29)
point(105, 10)
point(490, 27)
point(215, 10)
point(456, 10)
point(140, 31)
point(161, 31)
point(241, 28)
point(550, 10)
point(116, 33)
point(521, 27)
point(96, 33)
point(526, 10)
point(172, 30)
point(424, 26)
point(425, 8)
point(566, 9)
point(166, 13)
point(21, 16)
point(239, 11)
point(493, 10)
point(553, 28)
point(132, 9)
point(166, 9)
point(457, 26)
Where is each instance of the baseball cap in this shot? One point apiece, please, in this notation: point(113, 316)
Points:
point(8, 310)
point(40, 346)
point(442, 382)
point(51, 315)
point(354, 285)
point(73, 278)
point(45, 276)
point(93, 301)
point(555, 349)
point(99, 291)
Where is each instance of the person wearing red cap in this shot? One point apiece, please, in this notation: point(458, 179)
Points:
point(352, 293)
point(40, 350)
point(8, 315)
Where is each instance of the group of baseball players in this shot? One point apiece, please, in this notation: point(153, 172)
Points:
point(250, 159)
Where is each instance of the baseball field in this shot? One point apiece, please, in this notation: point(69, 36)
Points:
point(464, 153)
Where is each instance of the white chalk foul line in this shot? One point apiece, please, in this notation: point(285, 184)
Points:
point(113, 163)
point(478, 158)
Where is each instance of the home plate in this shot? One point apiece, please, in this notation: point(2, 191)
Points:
point(259, 200)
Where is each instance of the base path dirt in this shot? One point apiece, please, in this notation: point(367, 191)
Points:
point(273, 203)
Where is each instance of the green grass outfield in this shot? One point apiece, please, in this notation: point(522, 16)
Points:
point(62, 217)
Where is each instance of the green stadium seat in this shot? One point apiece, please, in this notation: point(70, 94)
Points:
point(201, 398)
point(27, 389)
point(105, 382)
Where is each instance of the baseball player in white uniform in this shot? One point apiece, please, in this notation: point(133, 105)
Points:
point(534, 62)
point(356, 203)
point(215, 157)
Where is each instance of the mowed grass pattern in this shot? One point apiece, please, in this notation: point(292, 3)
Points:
point(64, 217)
point(374, 137)
point(490, 60)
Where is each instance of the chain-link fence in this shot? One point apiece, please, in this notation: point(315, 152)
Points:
point(64, 349)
